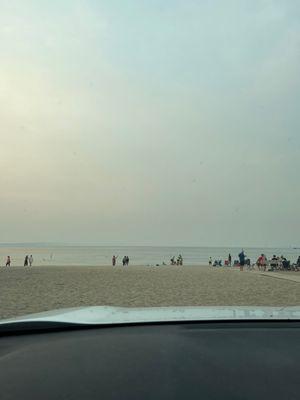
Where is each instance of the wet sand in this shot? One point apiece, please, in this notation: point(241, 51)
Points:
point(24, 291)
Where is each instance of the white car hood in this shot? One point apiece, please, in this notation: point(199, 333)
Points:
point(104, 315)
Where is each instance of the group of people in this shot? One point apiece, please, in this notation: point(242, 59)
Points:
point(218, 263)
point(262, 263)
point(179, 260)
point(28, 261)
point(125, 261)
point(276, 262)
point(243, 260)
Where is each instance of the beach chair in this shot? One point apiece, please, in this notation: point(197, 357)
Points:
point(274, 265)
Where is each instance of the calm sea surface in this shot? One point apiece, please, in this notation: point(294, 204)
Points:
point(142, 255)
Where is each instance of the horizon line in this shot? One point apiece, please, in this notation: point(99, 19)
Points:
point(94, 244)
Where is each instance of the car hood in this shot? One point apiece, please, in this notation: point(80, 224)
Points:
point(106, 315)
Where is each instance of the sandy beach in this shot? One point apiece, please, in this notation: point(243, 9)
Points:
point(24, 291)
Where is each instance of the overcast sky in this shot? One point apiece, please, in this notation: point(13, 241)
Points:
point(163, 122)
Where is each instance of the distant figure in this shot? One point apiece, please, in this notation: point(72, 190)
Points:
point(7, 261)
point(242, 260)
point(248, 263)
point(179, 260)
point(285, 264)
point(127, 260)
point(210, 261)
point(173, 262)
point(229, 260)
point(274, 262)
point(217, 263)
point(30, 260)
point(26, 261)
point(298, 264)
point(262, 262)
point(114, 259)
point(265, 261)
point(124, 261)
point(258, 263)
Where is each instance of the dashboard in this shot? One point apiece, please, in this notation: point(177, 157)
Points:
point(197, 360)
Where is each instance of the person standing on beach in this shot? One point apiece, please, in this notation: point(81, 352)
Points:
point(127, 261)
point(229, 260)
point(114, 260)
point(242, 260)
point(124, 261)
point(210, 262)
point(30, 260)
point(7, 261)
point(26, 261)
point(261, 262)
point(264, 262)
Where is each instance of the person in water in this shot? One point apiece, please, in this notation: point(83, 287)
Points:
point(30, 260)
point(7, 261)
point(26, 261)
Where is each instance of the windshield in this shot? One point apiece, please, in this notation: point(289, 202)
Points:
point(149, 154)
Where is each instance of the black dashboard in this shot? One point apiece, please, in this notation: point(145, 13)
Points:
point(199, 360)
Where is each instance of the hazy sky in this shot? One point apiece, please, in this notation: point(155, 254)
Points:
point(162, 122)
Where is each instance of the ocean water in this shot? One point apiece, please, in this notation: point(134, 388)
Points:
point(44, 254)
